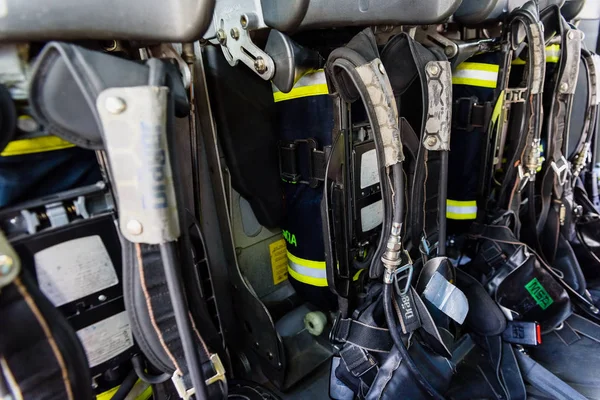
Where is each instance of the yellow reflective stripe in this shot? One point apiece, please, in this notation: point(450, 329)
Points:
point(311, 84)
point(145, 395)
point(552, 55)
point(309, 280)
point(476, 74)
point(35, 145)
point(307, 271)
point(497, 109)
point(357, 274)
point(461, 210)
point(306, 263)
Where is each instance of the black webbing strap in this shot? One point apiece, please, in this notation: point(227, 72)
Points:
point(293, 154)
point(360, 363)
point(507, 369)
point(544, 380)
point(525, 120)
point(40, 354)
point(556, 184)
point(579, 325)
point(468, 114)
point(371, 338)
point(149, 264)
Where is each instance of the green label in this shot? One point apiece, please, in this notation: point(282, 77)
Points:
point(539, 294)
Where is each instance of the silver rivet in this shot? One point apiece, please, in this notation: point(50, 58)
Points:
point(244, 21)
point(102, 297)
point(433, 69)
point(431, 141)
point(115, 105)
point(594, 309)
point(381, 68)
point(259, 65)
point(235, 33)
point(134, 227)
point(571, 34)
point(564, 87)
point(6, 265)
point(221, 37)
point(27, 124)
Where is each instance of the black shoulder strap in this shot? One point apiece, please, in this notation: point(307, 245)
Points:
point(40, 355)
point(153, 321)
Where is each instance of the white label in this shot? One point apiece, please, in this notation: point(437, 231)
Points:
point(371, 216)
point(369, 171)
point(71, 270)
point(106, 339)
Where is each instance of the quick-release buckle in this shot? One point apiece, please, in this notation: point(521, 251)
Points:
point(219, 375)
point(404, 273)
point(523, 333)
point(289, 168)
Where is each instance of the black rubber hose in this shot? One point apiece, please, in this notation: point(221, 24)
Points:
point(126, 386)
point(180, 309)
point(138, 367)
point(347, 60)
point(443, 196)
point(391, 321)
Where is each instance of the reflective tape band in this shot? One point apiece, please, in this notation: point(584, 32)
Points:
point(357, 274)
point(476, 74)
point(311, 84)
point(461, 210)
point(552, 55)
point(307, 271)
point(146, 391)
point(35, 145)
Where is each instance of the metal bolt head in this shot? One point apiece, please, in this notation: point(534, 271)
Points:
point(102, 297)
point(259, 65)
point(449, 51)
point(221, 37)
point(381, 68)
point(134, 227)
point(235, 33)
point(6, 264)
point(433, 69)
point(244, 21)
point(564, 87)
point(431, 141)
point(115, 105)
point(572, 34)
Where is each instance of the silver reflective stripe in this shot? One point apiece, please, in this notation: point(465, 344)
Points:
point(306, 271)
point(463, 209)
point(447, 298)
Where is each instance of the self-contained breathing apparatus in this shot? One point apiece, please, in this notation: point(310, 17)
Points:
point(429, 191)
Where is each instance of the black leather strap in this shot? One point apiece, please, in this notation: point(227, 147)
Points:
point(41, 354)
point(153, 320)
point(368, 337)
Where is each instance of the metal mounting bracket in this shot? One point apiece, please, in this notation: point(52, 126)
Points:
point(233, 20)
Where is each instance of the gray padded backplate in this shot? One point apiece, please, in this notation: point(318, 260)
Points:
point(291, 15)
point(172, 20)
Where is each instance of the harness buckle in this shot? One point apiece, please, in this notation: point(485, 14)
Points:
point(524, 177)
point(186, 394)
point(289, 165)
point(182, 391)
point(562, 170)
point(217, 365)
point(470, 114)
point(404, 273)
